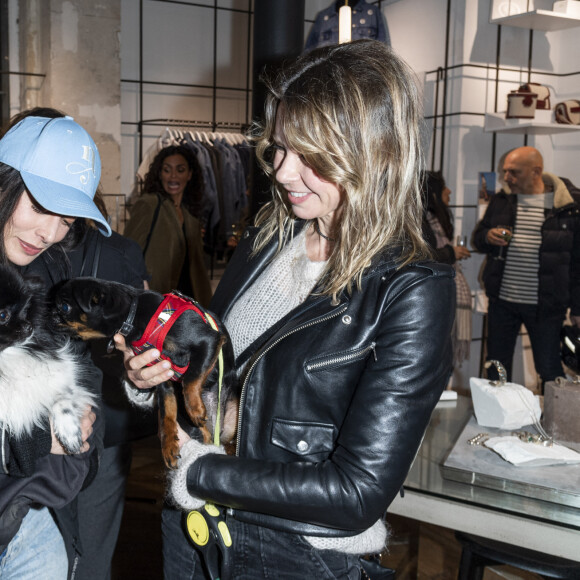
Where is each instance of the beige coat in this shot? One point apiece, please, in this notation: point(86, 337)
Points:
point(166, 251)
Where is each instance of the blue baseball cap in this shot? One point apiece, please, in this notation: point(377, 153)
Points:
point(59, 164)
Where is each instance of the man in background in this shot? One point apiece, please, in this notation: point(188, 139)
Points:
point(531, 236)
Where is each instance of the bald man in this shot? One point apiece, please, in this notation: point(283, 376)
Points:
point(533, 277)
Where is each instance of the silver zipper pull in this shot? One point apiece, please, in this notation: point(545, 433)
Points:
point(374, 351)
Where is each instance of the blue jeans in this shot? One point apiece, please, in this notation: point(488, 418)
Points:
point(504, 320)
point(258, 553)
point(36, 551)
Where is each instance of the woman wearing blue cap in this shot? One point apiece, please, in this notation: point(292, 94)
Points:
point(49, 172)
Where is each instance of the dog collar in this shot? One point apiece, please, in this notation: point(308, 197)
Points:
point(172, 307)
point(127, 326)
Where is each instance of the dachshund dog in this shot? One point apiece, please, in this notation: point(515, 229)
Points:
point(40, 371)
point(190, 337)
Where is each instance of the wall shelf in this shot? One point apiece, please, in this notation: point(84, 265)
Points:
point(497, 123)
point(539, 20)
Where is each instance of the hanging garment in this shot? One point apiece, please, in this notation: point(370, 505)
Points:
point(367, 22)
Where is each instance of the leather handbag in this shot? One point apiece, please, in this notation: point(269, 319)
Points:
point(521, 105)
point(543, 92)
point(568, 112)
point(562, 409)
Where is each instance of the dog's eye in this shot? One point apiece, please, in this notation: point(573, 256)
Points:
point(65, 308)
point(4, 316)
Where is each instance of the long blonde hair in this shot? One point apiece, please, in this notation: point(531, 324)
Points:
point(352, 112)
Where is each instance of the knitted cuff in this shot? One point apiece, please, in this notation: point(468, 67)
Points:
point(178, 492)
point(371, 541)
point(145, 399)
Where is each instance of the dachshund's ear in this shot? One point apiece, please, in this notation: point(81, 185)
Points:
point(96, 297)
point(89, 298)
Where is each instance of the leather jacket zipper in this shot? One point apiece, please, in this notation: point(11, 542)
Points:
point(360, 353)
point(263, 353)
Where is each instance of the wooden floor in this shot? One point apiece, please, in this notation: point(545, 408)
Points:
point(416, 551)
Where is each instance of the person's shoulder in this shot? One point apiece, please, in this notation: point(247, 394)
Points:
point(119, 243)
point(388, 266)
point(147, 201)
point(122, 260)
point(424, 269)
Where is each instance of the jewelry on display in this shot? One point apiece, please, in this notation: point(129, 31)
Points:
point(537, 438)
point(479, 439)
point(317, 228)
point(525, 436)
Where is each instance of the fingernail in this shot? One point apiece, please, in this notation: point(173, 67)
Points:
point(166, 364)
point(155, 353)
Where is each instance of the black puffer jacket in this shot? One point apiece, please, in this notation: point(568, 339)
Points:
point(559, 273)
point(336, 399)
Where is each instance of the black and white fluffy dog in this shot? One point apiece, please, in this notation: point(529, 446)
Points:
point(39, 370)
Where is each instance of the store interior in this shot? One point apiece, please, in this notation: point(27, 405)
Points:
point(135, 73)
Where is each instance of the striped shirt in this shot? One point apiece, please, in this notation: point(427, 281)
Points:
point(522, 256)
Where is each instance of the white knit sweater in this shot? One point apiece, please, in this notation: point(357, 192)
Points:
point(282, 286)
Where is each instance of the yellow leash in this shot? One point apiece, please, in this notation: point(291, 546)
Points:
point(207, 527)
point(216, 432)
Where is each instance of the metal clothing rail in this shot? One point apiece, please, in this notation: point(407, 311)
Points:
point(185, 123)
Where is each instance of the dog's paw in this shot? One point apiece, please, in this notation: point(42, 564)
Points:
point(169, 447)
point(171, 455)
point(68, 432)
point(66, 421)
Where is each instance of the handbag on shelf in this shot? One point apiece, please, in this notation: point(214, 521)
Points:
point(568, 112)
point(503, 405)
point(543, 92)
point(521, 105)
point(562, 409)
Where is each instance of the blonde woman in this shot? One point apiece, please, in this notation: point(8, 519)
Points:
point(341, 331)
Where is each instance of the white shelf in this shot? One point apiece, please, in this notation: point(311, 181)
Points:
point(497, 123)
point(539, 20)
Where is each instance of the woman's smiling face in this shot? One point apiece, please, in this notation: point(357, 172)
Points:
point(311, 196)
point(32, 230)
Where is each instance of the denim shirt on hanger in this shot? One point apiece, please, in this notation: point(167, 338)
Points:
point(367, 22)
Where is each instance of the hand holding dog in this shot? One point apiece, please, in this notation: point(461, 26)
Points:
point(86, 425)
point(142, 376)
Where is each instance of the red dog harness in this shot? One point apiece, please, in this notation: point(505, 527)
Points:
point(172, 307)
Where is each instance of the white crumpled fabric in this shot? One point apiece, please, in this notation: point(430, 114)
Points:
point(523, 454)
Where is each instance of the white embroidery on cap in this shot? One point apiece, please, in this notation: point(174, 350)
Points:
point(89, 156)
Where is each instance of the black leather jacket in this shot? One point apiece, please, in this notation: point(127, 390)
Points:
point(335, 399)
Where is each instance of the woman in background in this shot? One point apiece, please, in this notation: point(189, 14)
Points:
point(439, 233)
point(163, 222)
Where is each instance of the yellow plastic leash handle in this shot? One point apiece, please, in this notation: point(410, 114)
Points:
point(209, 532)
